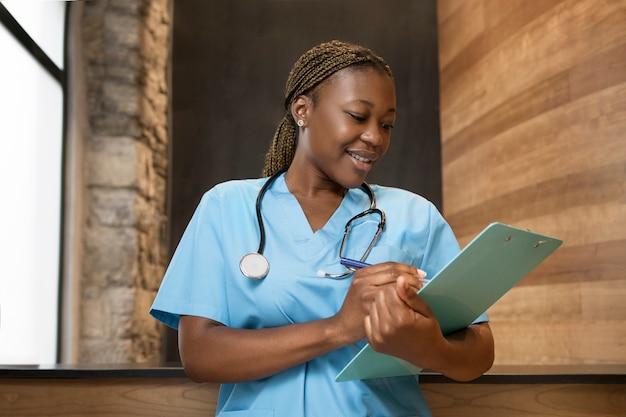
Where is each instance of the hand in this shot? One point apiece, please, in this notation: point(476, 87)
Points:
point(366, 284)
point(400, 323)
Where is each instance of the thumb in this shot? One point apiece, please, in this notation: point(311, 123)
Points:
point(406, 293)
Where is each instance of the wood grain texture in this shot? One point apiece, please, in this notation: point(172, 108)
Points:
point(537, 400)
point(559, 342)
point(110, 397)
point(533, 122)
point(554, 41)
point(169, 397)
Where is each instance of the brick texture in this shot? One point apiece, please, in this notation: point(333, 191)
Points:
point(124, 244)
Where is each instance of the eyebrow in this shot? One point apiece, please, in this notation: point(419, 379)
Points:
point(370, 104)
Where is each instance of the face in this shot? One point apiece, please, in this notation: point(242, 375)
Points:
point(348, 128)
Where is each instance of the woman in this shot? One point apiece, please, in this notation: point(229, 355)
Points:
point(277, 341)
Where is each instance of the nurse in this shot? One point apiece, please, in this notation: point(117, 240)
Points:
point(275, 330)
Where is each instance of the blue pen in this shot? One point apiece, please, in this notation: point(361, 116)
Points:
point(354, 264)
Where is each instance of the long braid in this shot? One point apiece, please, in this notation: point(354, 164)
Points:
point(313, 67)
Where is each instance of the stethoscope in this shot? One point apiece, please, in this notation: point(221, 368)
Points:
point(256, 266)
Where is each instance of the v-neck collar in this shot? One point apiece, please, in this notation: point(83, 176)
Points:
point(354, 202)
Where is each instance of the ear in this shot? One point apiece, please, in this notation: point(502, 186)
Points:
point(300, 108)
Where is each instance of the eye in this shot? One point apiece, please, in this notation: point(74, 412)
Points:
point(387, 126)
point(357, 117)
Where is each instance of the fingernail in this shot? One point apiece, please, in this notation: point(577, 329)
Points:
point(422, 274)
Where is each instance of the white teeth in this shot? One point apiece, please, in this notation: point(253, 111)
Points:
point(358, 158)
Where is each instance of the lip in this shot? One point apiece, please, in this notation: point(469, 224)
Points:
point(363, 160)
point(364, 156)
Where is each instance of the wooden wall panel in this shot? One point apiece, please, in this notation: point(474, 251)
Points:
point(106, 397)
point(175, 397)
point(536, 400)
point(533, 122)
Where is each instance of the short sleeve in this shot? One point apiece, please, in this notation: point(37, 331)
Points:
point(191, 285)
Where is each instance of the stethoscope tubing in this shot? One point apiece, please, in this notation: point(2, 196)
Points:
point(259, 216)
point(254, 265)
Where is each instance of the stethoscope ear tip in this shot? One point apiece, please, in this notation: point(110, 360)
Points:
point(321, 273)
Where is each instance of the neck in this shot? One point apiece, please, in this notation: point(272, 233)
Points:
point(318, 198)
point(311, 185)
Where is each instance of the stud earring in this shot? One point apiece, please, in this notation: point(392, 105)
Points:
point(301, 123)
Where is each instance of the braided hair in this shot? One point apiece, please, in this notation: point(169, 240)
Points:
point(313, 67)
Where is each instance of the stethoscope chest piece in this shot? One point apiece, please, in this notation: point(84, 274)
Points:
point(254, 265)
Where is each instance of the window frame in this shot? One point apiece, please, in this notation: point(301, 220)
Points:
point(14, 28)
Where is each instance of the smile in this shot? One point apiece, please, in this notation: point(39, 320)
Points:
point(359, 158)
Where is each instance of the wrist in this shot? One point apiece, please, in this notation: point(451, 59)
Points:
point(338, 335)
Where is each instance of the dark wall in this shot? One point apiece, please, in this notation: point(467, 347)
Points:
point(231, 59)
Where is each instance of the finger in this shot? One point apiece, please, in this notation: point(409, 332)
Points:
point(388, 272)
point(401, 268)
point(377, 308)
point(367, 323)
point(377, 276)
point(408, 294)
point(378, 315)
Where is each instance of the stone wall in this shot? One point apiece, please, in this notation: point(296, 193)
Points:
point(123, 230)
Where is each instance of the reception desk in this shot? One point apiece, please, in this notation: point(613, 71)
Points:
point(141, 390)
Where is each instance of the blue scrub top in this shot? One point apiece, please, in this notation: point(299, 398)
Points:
point(204, 279)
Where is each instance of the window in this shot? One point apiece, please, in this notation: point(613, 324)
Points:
point(31, 154)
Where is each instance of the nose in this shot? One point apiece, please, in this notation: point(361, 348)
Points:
point(374, 134)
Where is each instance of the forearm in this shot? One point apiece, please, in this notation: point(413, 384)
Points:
point(468, 354)
point(216, 353)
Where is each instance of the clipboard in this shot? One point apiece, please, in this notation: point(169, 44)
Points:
point(488, 267)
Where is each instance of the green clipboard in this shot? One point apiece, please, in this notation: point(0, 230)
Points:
point(489, 266)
